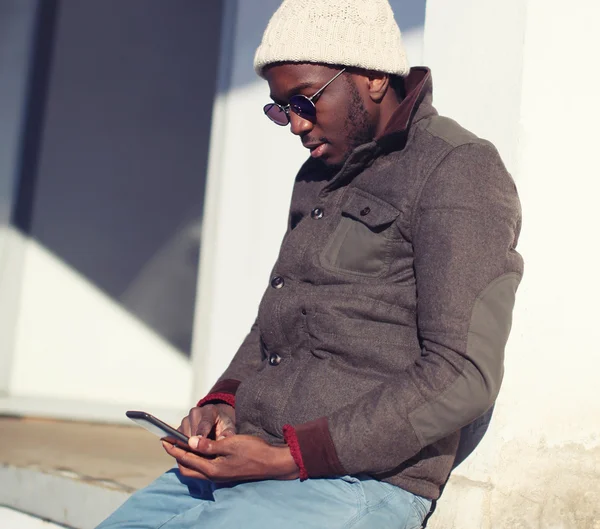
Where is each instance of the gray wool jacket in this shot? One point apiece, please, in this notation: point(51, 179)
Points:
point(382, 329)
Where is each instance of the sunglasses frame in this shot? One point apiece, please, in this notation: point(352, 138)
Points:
point(295, 108)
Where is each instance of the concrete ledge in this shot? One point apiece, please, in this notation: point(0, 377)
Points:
point(74, 473)
point(14, 519)
point(71, 501)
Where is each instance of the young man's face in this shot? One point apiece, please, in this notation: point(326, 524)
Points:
point(342, 122)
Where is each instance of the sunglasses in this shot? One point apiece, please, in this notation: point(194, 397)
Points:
point(300, 105)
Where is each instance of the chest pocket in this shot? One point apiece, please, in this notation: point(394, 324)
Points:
point(361, 243)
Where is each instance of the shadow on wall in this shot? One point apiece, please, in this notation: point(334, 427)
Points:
point(116, 146)
point(114, 159)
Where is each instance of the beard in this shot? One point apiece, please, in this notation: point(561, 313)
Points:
point(357, 125)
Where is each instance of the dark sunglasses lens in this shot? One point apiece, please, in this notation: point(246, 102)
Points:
point(276, 114)
point(303, 106)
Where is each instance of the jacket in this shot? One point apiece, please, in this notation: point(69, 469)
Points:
point(382, 330)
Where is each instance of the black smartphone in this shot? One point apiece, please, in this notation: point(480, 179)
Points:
point(159, 428)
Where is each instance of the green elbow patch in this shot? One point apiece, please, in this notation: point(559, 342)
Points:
point(476, 388)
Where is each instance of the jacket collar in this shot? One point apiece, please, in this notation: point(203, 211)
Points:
point(417, 105)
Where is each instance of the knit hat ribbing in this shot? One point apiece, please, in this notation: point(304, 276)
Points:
point(360, 33)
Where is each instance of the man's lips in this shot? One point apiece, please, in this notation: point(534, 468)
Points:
point(316, 149)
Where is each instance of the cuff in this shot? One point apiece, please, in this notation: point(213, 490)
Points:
point(222, 392)
point(289, 434)
point(315, 451)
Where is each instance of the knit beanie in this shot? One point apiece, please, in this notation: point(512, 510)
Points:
point(360, 33)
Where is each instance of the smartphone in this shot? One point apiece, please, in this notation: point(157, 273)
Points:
point(159, 428)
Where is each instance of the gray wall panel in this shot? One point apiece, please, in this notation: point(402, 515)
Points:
point(120, 185)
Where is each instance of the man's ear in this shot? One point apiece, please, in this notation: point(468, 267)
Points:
point(378, 84)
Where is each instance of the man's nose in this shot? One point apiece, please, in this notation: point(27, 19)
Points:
point(299, 125)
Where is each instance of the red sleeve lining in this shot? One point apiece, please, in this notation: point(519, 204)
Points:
point(289, 434)
point(217, 398)
point(222, 392)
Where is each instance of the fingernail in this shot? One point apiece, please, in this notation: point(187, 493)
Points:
point(222, 437)
point(194, 442)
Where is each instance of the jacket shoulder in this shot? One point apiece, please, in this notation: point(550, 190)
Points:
point(451, 132)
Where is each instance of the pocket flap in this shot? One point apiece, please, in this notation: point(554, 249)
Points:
point(368, 209)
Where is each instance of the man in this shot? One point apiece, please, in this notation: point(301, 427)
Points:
point(381, 334)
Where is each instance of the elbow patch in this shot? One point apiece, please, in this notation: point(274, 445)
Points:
point(476, 388)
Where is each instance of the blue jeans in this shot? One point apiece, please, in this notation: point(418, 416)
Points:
point(174, 501)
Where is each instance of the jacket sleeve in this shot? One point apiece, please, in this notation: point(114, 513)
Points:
point(246, 360)
point(465, 227)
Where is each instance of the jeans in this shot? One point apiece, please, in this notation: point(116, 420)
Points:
point(173, 501)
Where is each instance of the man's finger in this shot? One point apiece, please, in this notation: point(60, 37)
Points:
point(226, 423)
point(170, 449)
point(228, 432)
point(202, 420)
point(208, 447)
point(225, 428)
point(175, 449)
point(189, 473)
point(184, 427)
point(201, 444)
point(190, 470)
point(204, 428)
point(199, 464)
point(192, 463)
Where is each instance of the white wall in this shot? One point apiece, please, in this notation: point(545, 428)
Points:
point(475, 51)
point(252, 168)
point(531, 75)
point(79, 354)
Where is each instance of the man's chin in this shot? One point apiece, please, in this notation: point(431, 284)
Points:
point(333, 162)
point(331, 167)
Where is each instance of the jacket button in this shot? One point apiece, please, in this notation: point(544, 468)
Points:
point(317, 213)
point(277, 282)
point(365, 211)
point(274, 359)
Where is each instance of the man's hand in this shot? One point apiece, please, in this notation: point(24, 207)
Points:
point(236, 458)
point(201, 421)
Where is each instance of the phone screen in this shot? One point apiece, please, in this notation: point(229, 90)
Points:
point(158, 427)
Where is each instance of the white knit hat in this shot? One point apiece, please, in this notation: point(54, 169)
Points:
point(360, 33)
